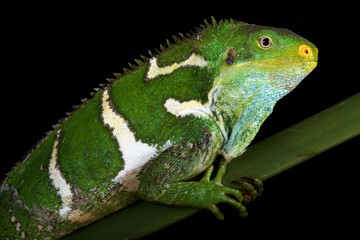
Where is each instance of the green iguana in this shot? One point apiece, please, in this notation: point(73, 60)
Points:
point(150, 133)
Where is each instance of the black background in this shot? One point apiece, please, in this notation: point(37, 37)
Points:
point(52, 55)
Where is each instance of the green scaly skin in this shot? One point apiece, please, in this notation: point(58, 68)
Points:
point(239, 85)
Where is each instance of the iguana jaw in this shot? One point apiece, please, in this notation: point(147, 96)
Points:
point(283, 73)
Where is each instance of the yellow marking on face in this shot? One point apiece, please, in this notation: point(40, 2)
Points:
point(155, 70)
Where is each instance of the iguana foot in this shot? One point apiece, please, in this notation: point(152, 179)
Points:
point(250, 188)
point(218, 193)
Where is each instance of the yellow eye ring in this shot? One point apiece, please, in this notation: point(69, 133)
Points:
point(265, 42)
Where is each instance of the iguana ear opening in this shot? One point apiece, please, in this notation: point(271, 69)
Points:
point(231, 56)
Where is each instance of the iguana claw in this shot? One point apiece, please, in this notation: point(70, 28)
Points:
point(250, 187)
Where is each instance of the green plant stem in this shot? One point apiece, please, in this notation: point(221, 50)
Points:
point(263, 160)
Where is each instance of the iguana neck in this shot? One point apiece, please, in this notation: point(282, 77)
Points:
point(241, 115)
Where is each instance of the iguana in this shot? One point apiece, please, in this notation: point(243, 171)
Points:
point(154, 132)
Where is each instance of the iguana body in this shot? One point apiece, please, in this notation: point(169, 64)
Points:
point(150, 131)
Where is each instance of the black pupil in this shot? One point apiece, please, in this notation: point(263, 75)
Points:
point(265, 42)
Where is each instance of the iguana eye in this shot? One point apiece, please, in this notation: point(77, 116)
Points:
point(265, 42)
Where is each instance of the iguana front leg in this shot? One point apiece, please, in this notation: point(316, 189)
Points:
point(165, 180)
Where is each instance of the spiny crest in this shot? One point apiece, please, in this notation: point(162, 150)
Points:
point(144, 59)
point(163, 48)
point(176, 39)
point(213, 20)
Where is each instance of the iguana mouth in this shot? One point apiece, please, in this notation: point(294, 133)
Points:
point(276, 62)
point(313, 64)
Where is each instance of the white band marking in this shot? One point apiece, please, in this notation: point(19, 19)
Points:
point(58, 181)
point(155, 70)
point(135, 153)
point(186, 108)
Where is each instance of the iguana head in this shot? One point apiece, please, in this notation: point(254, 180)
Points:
point(269, 54)
point(254, 66)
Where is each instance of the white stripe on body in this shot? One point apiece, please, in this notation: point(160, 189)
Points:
point(59, 182)
point(135, 153)
point(183, 109)
point(155, 70)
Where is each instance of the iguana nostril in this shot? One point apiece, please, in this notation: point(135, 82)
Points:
point(305, 50)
